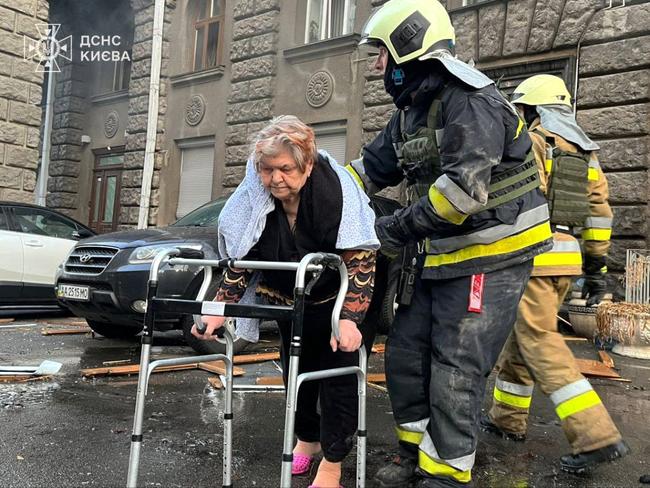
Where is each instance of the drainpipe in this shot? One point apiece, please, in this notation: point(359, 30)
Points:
point(584, 31)
point(43, 173)
point(152, 116)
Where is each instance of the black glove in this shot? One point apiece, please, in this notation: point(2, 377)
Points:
point(595, 285)
point(391, 235)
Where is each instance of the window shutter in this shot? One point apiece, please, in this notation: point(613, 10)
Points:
point(334, 144)
point(197, 166)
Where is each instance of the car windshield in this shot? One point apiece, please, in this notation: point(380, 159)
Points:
point(205, 216)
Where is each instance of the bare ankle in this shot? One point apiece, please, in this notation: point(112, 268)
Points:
point(306, 448)
point(328, 475)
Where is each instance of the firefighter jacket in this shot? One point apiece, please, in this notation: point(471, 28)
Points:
point(565, 258)
point(483, 210)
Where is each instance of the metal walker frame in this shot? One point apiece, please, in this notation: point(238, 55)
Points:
point(316, 263)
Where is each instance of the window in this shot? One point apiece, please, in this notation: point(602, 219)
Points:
point(197, 166)
point(332, 138)
point(4, 224)
point(121, 75)
point(44, 223)
point(329, 18)
point(207, 32)
point(509, 77)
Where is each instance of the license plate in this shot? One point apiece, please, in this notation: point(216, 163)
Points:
point(73, 292)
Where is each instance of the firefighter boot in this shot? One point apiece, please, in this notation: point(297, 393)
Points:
point(581, 462)
point(398, 474)
point(490, 427)
point(428, 481)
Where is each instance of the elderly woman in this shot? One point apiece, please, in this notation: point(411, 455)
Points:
point(306, 203)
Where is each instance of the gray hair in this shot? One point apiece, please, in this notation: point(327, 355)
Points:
point(285, 133)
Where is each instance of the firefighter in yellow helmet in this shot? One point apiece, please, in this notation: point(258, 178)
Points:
point(577, 193)
point(476, 219)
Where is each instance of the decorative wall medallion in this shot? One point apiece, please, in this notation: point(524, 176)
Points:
point(320, 88)
point(195, 110)
point(111, 124)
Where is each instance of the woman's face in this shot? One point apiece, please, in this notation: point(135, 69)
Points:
point(281, 175)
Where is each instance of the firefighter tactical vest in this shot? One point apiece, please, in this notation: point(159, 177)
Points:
point(419, 159)
point(568, 185)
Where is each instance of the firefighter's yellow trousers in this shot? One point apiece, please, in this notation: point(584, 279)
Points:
point(536, 353)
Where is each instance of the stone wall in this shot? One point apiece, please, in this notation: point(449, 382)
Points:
point(253, 55)
point(20, 98)
point(614, 86)
point(136, 129)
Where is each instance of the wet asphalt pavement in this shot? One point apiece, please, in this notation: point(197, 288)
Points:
point(73, 432)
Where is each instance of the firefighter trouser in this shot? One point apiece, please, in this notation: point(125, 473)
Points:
point(438, 358)
point(536, 352)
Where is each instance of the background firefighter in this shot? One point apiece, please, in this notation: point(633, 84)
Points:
point(479, 219)
point(536, 352)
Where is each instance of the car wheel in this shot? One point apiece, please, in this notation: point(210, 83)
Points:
point(388, 307)
point(113, 331)
point(209, 347)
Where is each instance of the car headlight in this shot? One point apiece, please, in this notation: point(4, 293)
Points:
point(147, 254)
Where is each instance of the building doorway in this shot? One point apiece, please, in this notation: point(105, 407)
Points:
point(105, 196)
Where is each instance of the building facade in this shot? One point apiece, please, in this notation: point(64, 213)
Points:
point(228, 66)
point(20, 99)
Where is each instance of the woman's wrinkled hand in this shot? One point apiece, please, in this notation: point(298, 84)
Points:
point(212, 323)
point(350, 337)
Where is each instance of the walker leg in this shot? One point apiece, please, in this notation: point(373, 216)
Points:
point(361, 425)
point(228, 416)
point(289, 421)
point(136, 437)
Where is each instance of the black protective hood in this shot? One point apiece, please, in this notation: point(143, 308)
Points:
point(403, 81)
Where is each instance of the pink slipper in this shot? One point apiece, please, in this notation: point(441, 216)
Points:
point(314, 486)
point(301, 464)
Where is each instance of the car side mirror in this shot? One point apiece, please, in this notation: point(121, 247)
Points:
point(81, 233)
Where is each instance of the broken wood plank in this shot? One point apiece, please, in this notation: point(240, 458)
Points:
point(256, 358)
point(379, 348)
point(116, 362)
point(218, 367)
point(48, 331)
point(378, 387)
point(376, 378)
point(23, 378)
point(269, 380)
point(606, 359)
point(215, 382)
point(591, 367)
point(131, 369)
point(6, 321)
point(575, 339)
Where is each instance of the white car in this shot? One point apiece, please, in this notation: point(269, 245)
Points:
point(34, 241)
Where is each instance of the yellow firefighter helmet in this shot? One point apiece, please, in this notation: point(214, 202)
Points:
point(542, 90)
point(409, 28)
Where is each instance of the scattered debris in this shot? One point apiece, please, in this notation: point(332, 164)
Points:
point(590, 367)
point(215, 382)
point(379, 348)
point(45, 368)
point(376, 378)
point(575, 339)
point(6, 321)
point(269, 380)
point(256, 358)
point(47, 331)
point(213, 367)
point(23, 378)
point(375, 386)
point(645, 479)
point(116, 362)
point(606, 359)
point(16, 326)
